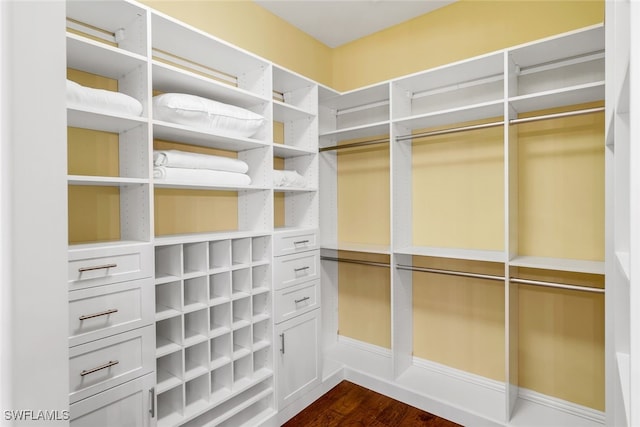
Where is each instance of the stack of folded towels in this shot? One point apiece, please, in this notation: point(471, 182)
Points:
point(194, 168)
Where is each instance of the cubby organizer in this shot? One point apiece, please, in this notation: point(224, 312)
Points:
point(213, 314)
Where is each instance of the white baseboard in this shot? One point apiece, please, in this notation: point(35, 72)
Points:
point(562, 405)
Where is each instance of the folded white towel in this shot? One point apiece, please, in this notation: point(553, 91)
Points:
point(200, 176)
point(186, 160)
point(288, 178)
point(106, 101)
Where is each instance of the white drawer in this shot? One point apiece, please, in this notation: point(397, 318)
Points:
point(105, 363)
point(102, 311)
point(95, 266)
point(291, 242)
point(127, 405)
point(296, 300)
point(298, 268)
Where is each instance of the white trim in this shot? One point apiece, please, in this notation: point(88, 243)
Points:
point(459, 374)
point(360, 345)
point(562, 405)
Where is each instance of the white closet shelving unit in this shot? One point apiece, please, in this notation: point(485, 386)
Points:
point(210, 359)
point(110, 282)
point(495, 90)
point(622, 36)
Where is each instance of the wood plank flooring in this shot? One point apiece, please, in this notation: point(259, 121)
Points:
point(348, 404)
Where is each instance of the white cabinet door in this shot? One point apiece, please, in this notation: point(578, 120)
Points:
point(128, 405)
point(298, 356)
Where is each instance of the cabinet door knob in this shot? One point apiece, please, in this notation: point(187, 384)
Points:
point(99, 368)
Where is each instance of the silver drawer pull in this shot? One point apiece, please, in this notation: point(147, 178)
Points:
point(298, 301)
point(104, 313)
point(97, 267)
point(282, 343)
point(297, 270)
point(301, 242)
point(99, 368)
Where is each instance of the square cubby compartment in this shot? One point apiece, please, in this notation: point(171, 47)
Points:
point(241, 312)
point(196, 394)
point(219, 255)
point(261, 306)
point(170, 408)
point(220, 348)
point(168, 300)
point(219, 319)
point(262, 362)
point(169, 371)
point(242, 342)
point(241, 283)
point(168, 335)
point(241, 252)
point(168, 261)
point(242, 371)
point(196, 360)
point(196, 327)
point(195, 258)
point(219, 288)
point(261, 278)
point(260, 249)
point(195, 293)
point(262, 335)
point(221, 382)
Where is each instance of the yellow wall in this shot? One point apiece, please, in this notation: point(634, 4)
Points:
point(461, 30)
point(251, 27)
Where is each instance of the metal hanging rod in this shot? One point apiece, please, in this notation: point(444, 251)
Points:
point(355, 261)
point(362, 107)
point(556, 285)
point(450, 272)
point(556, 115)
point(499, 123)
point(355, 144)
point(449, 130)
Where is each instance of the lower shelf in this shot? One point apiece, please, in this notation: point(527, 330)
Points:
point(224, 402)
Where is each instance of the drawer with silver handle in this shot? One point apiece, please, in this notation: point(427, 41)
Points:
point(102, 311)
point(297, 268)
point(294, 241)
point(295, 300)
point(95, 266)
point(105, 363)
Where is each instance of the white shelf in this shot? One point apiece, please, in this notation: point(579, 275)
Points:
point(485, 110)
point(289, 151)
point(207, 237)
point(168, 78)
point(294, 189)
point(356, 98)
point(191, 186)
point(166, 381)
point(164, 347)
point(357, 247)
point(101, 121)
point(187, 135)
point(578, 94)
point(101, 59)
point(455, 253)
point(283, 112)
point(362, 131)
point(164, 312)
point(560, 264)
point(105, 181)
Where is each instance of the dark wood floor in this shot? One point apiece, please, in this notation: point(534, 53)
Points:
point(348, 404)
